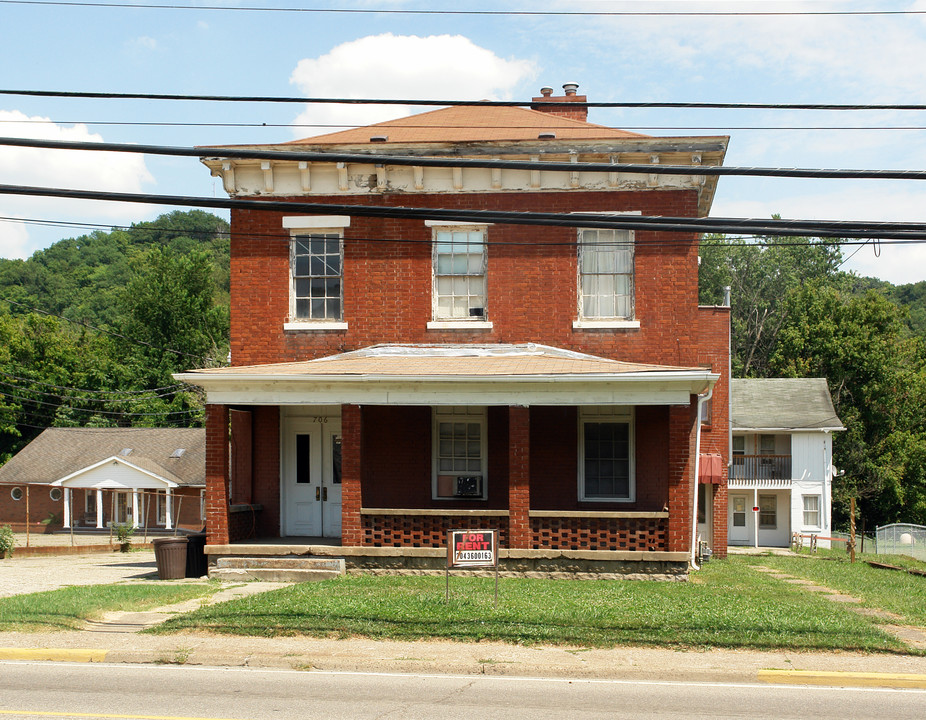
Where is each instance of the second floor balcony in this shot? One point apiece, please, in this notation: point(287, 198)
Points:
point(763, 469)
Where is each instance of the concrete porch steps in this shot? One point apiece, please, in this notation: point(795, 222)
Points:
point(277, 569)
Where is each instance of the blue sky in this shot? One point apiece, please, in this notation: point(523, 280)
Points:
point(795, 58)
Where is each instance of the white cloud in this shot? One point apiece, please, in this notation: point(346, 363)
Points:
point(402, 66)
point(72, 169)
point(873, 201)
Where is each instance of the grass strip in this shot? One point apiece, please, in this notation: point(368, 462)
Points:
point(896, 592)
point(68, 608)
point(727, 604)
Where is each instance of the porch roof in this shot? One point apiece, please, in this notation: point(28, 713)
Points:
point(498, 374)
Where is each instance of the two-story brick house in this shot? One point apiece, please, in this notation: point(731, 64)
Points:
point(402, 365)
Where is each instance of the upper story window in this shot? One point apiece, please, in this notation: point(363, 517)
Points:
point(459, 273)
point(317, 271)
point(606, 274)
point(606, 457)
point(317, 263)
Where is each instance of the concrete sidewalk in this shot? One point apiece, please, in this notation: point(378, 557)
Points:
point(115, 638)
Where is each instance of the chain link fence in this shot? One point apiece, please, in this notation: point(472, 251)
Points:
point(902, 539)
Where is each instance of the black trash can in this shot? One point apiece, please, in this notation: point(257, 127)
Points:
point(196, 564)
point(170, 555)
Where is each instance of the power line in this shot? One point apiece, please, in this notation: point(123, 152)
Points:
point(457, 103)
point(331, 126)
point(96, 411)
point(67, 388)
point(105, 332)
point(477, 13)
point(772, 227)
point(349, 240)
point(444, 162)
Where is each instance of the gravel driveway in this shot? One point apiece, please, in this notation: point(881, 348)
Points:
point(34, 574)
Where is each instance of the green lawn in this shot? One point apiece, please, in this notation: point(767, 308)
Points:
point(68, 608)
point(726, 604)
point(891, 590)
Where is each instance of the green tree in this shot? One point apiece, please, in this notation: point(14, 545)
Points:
point(760, 276)
point(877, 377)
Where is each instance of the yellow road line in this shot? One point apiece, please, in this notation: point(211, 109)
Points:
point(54, 654)
point(843, 679)
point(36, 713)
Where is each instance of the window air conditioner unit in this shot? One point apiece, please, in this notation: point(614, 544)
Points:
point(468, 486)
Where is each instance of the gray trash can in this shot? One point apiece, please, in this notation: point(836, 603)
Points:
point(170, 555)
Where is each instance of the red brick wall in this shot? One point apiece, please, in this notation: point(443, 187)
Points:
point(682, 427)
point(715, 352)
point(351, 474)
point(265, 470)
point(531, 286)
point(217, 474)
point(519, 477)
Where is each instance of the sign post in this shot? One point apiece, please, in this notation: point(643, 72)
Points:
point(472, 549)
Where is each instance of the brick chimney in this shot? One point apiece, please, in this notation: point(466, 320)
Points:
point(546, 96)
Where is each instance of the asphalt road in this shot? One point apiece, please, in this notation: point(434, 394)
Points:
point(61, 690)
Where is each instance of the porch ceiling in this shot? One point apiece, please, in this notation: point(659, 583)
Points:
point(454, 375)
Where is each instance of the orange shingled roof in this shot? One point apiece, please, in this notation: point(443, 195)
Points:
point(471, 124)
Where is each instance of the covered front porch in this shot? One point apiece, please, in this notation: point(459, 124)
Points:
point(575, 460)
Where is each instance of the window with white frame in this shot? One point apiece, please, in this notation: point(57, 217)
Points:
point(459, 273)
point(317, 261)
point(606, 457)
point(460, 457)
point(606, 274)
point(811, 510)
point(768, 511)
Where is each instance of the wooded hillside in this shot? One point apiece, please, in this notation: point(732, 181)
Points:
point(92, 327)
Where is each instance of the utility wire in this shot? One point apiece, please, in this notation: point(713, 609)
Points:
point(816, 228)
point(105, 332)
point(111, 413)
point(443, 162)
point(458, 103)
point(352, 239)
point(477, 13)
point(329, 126)
point(170, 388)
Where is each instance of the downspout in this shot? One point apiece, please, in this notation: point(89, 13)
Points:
point(697, 470)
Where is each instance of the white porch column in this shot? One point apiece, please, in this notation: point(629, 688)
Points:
point(168, 511)
point(755, 516)
point(135, 508)
point(67, 508)
point(99, 509)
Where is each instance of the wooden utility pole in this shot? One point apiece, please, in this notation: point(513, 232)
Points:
point(852, 529)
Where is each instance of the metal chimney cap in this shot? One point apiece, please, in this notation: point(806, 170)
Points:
point(571, 87)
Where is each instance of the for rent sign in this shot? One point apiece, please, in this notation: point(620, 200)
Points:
point(472, 548)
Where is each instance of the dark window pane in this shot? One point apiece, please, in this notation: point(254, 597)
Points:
point(303, 465)
point(318, 265)
point(302, 265)
point(318, 309)
point(302, 308)
point(336, 459)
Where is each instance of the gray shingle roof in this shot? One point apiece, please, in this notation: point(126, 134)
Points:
point(59, 452)
point(782, 404)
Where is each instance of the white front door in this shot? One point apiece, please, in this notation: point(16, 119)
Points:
point(312, 477)
point(738, 528)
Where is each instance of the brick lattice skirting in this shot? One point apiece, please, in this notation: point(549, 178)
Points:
point(577, 533)
point(425, 531)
